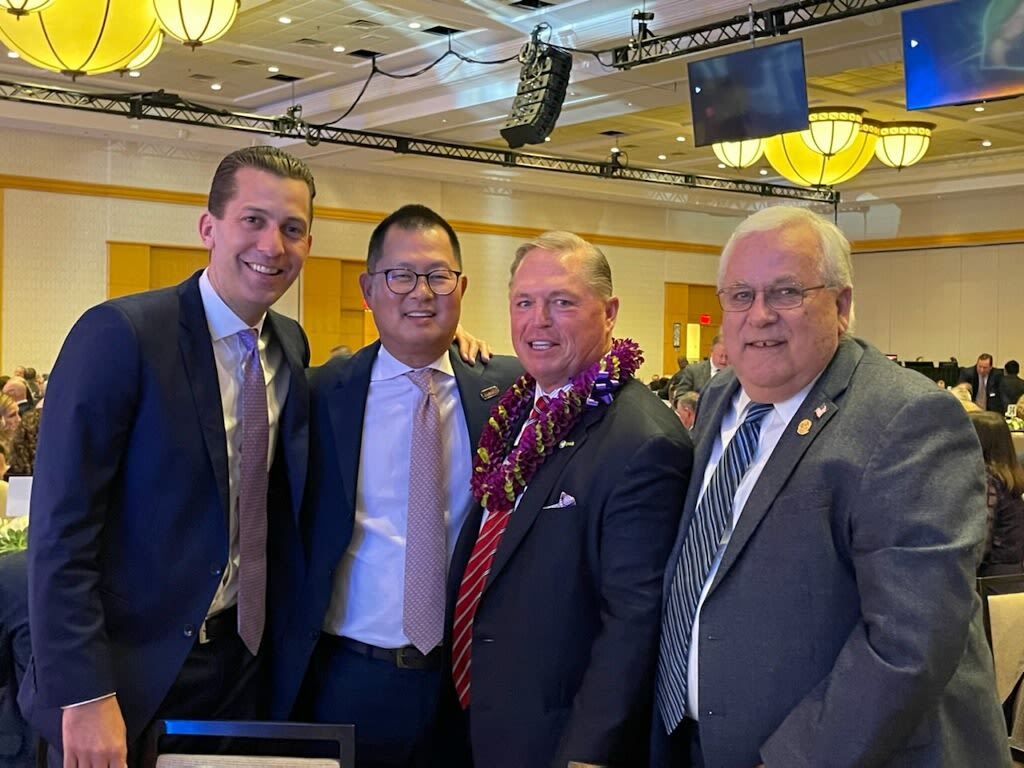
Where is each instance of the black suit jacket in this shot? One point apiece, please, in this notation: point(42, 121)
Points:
point(129, 531)
point(565, 635)
point(338, 392)
point(993, 387)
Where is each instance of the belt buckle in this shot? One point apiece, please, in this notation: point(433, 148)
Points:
point(400, 660)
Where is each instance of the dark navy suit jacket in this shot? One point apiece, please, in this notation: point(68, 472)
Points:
point(338, 392)
point(129, 530)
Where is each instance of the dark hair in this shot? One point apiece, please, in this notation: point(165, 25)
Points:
point(409, 217)
point(1012, 367)
point(985, 356)
point(997, 449)
point(271, 159)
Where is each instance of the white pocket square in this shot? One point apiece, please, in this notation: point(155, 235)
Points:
point(564, 500)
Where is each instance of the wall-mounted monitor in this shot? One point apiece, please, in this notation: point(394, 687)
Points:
point(962, 52)
point(748, 94)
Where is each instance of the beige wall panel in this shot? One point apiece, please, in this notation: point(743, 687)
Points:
point(979, 291)
point(872, 299)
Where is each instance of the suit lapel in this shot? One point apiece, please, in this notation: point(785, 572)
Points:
point(814, 414)
point(200, 374)
point(540, 489)
point(346, 404)
point(478, 393)
point(293, 430)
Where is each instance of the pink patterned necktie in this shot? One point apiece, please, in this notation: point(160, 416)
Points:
point(252, 497)
point(474, 579)
point(426, 548)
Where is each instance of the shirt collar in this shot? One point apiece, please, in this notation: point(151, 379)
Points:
point(220, 318)
point(388, 366)
point(786, 409)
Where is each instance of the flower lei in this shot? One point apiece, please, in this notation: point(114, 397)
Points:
point(501, 471)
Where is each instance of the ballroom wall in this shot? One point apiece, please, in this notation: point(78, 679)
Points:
point(64, 198)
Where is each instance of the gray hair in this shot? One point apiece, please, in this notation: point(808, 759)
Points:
point(596, 272)
point(835, 268)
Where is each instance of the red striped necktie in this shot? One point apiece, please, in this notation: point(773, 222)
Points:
point(474, 579)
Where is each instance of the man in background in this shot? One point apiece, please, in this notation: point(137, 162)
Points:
point(820, 602)
point(985, 383)
point(166, 491)
point(1011, 386)
point(685, 406)
point(696, 376)
point(393, 431)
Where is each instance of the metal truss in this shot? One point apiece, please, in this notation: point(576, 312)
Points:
point(169, 108)
point(757, 24)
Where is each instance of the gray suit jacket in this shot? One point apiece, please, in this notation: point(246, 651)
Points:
point(694, 377)
point(842, 627)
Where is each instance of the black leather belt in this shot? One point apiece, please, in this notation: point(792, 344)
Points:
point(406, 657)
point(219, 625)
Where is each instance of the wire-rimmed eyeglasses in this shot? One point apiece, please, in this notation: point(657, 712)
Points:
point(402, 281)
point(740, 298)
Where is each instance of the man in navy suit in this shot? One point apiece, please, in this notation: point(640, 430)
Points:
point(367, 666)
point(986, 384)
point(835, 620)
point(559, 596)
point(134, 553)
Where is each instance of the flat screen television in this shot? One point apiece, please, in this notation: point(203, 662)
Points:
point(748, 94)
point(962, 52)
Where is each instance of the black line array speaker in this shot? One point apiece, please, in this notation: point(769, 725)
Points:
point(538, 102)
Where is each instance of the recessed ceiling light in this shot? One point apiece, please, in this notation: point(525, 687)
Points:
point(979, 108)
point(414, 25)
point(615, 150)
point(215, 86)
point(663, 157)
point(986, 143)
point(338, 49)
point(629, 103)
point(13, 55)
point(135, 73)
point(721, 165)
point(284, 19)
point(547, 138)
point(680, 138)
point(273, 70)
point(763, 171)
point(444, 119)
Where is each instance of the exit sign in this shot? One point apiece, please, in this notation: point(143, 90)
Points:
point(705, 319)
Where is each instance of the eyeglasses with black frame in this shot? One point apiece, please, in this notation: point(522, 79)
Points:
point(402, 281)
point(740, 298)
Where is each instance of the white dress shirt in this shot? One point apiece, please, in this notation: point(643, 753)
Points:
point(229, 354)
point(772, 427)
point(368, 597)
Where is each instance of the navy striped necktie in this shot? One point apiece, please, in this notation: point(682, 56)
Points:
point(711, 520)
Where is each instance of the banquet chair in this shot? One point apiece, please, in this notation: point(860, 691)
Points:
point(274, 744)
point(1002, 599)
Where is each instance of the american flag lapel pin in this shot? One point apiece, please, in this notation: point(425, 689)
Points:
point(820, 410)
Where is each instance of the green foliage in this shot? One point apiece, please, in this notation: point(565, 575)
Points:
point(13, 534)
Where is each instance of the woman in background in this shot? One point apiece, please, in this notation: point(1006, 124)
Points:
point(1004, 551)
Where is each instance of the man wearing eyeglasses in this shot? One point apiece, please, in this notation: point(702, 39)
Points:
point(392, 434)
point(819, 601)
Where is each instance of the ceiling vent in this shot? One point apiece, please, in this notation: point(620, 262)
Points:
point(244, 63)
point(364, 53)
point(443, 31)
point(309, 42)
point(362, 24)
point(533, 5)
point(283, 78)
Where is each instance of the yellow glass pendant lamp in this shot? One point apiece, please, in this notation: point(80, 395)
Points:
point(903, 143)
point(789, 154)
point(196, 22)
point(82, 37)
point(23, 7)
point(830, 130)
point(739, 154)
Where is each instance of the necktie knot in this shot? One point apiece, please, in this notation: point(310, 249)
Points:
point(756, 412)
point(249, 339)
point(540, 407)
point(423, 379)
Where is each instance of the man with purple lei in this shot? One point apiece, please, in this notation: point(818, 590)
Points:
point(581, 472)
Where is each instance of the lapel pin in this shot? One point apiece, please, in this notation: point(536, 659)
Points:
point(566, 444)
point(803, 427)
point(820, 410)
point(490, 392)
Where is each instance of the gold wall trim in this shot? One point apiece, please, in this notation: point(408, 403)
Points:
point(93, 189)
point(997, 237)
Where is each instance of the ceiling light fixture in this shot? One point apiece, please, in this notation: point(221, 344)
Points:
point(663, 157)
point(986, 143)
point(901, 144)
point(680, 138)
point(196, 22)
point(739, 154)
point(791, 157)
point(338, 49)
point(215, 86)
point(414, 25)
point(23, 7)
point(273, 70)
point(284, 19)
point(979, 108)
point(97, 36)
point(830, 130)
